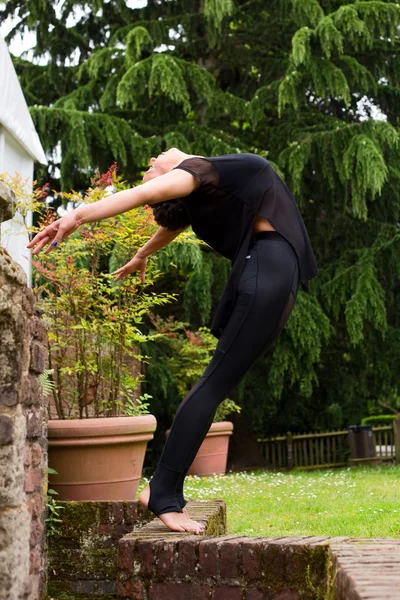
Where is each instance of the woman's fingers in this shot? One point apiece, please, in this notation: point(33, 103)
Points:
point(120, 276)
point(40, 245)
point(130, 267)
point(117, 271)
point(55, 232)
point(38, 237)
point(41, 239)
point(57, 240)
point(49, 233)
point(64, 227)
point(120, 273)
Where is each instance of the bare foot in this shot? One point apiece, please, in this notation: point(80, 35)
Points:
point(175, 521)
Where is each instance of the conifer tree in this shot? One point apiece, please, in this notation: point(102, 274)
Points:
point(282, 79)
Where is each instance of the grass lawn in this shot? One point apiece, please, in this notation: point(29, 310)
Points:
point(356, 502)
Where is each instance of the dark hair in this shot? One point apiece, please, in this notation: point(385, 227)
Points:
point(171, 214)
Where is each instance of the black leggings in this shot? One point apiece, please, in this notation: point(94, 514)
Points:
point(265, 298)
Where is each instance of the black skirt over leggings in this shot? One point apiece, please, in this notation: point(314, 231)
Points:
point(265, 299)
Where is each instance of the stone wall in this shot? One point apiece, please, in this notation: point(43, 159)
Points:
point(23, 435)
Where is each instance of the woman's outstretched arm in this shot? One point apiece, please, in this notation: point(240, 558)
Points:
point(175, 184)
point(161, 238)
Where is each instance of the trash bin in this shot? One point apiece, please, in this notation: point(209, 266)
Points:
point(362, 441)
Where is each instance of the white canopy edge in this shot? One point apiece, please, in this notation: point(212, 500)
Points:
point(14, 112)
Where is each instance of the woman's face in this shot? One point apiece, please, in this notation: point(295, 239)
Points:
point(162, 164)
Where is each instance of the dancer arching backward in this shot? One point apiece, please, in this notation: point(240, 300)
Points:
point(240, 207)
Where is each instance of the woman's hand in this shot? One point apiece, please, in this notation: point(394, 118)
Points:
point(137, 263)
point(55, 233)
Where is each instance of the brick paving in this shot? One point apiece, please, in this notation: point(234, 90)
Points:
point(366, 569)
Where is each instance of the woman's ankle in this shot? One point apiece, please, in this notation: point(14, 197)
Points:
point(161, 502)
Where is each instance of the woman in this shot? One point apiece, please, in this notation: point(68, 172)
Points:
point(241, 208)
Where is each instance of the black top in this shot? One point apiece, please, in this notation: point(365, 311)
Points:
point(235, 189)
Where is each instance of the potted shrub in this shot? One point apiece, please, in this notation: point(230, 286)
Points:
point(99, 425)
point(190, 354)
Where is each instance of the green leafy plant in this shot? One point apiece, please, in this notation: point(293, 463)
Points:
point(226, 408)
point(53, 518)
point(29, 196)
point(139, 406)
point(95, 325)
point(47, 383)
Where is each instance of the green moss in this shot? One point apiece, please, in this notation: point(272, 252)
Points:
point(82, 550)
point(58, 589)
point(80, 564)
point(317, 576)
point(330, 578)
point(79, 520)
point(82, 515)
point(68, 596)
point(62, 590)
point(303, 569)
point(216, 524)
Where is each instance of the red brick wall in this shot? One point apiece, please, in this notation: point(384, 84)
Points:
point(83, 556)
point(225, 568)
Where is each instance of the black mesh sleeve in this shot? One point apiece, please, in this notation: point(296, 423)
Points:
point(202, 169)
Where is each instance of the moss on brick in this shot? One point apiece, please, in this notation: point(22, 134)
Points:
point(330, 578)
point(216, 523)
point(57, 588)
point(77, 564)
point(79, 519)
point(302, 569)
point(61, 590)
point(317, 570)
point(70, 596)
point(82, 518)
point(87, 545)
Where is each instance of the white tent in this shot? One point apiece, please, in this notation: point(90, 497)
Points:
point(20, 147)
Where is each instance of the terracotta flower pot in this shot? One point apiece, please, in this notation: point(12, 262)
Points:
point(98, 459)
point(212, 455)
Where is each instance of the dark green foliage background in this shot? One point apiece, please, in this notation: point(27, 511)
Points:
point(281, 79)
